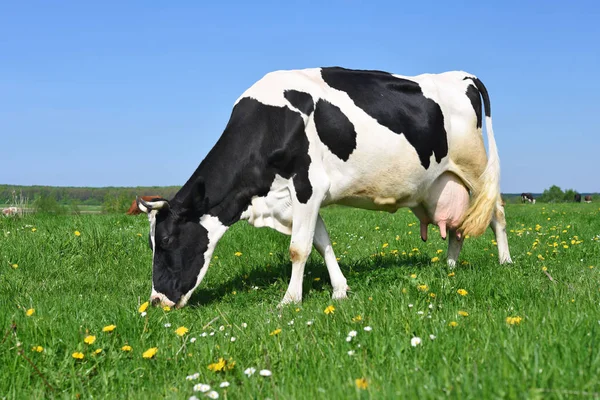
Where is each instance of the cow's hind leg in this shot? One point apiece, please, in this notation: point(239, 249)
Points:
point(498, 225)
point(454, 246)
point(324, 247)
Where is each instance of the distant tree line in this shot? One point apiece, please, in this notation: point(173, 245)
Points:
point(58, 200)
point(555, 194)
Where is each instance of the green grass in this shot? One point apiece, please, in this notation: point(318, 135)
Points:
point(79, 284)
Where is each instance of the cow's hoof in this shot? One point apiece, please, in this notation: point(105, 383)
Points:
point(451, 264)
point(288, 300)
point(340, 294)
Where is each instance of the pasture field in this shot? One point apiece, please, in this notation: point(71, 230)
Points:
point(526, 330)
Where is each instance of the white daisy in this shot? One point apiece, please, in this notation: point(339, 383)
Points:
point(250, 371)
point(368, 328)
point(192, 340)
point(265, 372)
point(193, 377)
point(232, 339)
point(143, 314)
point(224, 384)
point(212, 395)
point(351, 352)
point(201, 387)
point(167, 325)
point(352, 333)
point(432, 337)
point(244, 325)
point(414, 342)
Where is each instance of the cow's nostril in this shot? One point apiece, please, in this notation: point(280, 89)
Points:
point(155, 301)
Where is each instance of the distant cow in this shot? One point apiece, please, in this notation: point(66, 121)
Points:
point(134, 210)
point(10, 211)
point(587, 199)
point(527, 197)
point(577, 198)
point(297, 141)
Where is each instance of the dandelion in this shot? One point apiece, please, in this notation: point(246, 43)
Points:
point(143, 307)
point(38, 349)
point(413, 276)
point(151, 352)
point(540, 257)
point(385, 245)
point(249, 371)
point(182, 330)
point(212, 395)
point(462, 292)
point(30, 312)
point(77, 233)
point(201, 387)
point(513, 320)
point(432, 295)
point(453, 324)
point(423, 288)
point(317, 279)
point(77, 355)
point(329, 310)
point(15, 266)
point(89, 339)
point(435, 259)
point(33, 230)
point(439, 251)
point(544, 268)
point(109, 328)
point(265, 372)
point(414, 342)
point(367, 328)
point(224, 384)
point(126, 348)
point(166, 308)
point(358, 318)
point(98, 351)
point(237, 254)
point(463, 313)
point(361, 383)
point(275, 332)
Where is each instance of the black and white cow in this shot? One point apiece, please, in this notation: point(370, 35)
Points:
point(300, 140)
point(527, 198)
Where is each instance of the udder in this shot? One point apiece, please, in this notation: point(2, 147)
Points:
point(445, 205)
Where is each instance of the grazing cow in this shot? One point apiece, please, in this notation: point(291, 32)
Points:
point(588, 198)
point(134, 210)
point(300, 140)
point(577, 198)
point(527, 197)
point(8, 211)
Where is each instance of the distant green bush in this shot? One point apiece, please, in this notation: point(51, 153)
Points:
point(47, 204)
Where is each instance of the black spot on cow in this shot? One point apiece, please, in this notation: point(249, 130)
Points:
point(473, 95)
point(335, 129)
point(301, 100)
point(398, 104)
point(484, 93)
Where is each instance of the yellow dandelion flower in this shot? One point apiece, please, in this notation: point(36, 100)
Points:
point(404, 290)
point(33, 229)
point(275, 332)
point(182, 330)
point(166, 308)
point(89, 339)
point(385, 245)
point(98, 351)
point(237, 254)
point(218, 366)
point(540, 257)
point(329, 310)
point(358, 318)
point(77, 233)
point(361, 383)
point(317, 279)
point(376, 228)
point(432, 295)
point(139, 234)
point(38, 349)
point(453, 324)
point(15, 266)
point(463, 313)
point(151, 352)
point(544, 268)
point(423, 288)
point(462, 292)
point(126, 348)
point(77, 355)
point(397, 237)
point(413, 276)
point(109, 328)
point(451, 274)
point(591, 267)
point(143, 307)
point(439, 251)
point(513, 320)
point(30, 312)
point(435, 259)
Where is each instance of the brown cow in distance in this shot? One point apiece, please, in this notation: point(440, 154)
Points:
point(588, 199)
point(134, 210)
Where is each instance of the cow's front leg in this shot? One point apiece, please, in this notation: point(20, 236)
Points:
point(323, 245)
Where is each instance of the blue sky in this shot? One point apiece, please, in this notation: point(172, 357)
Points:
point(136, 93)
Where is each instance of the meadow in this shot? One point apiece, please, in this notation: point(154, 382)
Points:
point(73, 323)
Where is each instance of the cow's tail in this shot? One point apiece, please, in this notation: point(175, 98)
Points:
point(486, 193)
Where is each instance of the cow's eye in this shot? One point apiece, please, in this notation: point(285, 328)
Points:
point(165, 241)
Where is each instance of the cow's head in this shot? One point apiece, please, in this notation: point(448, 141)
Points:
point(179, 246)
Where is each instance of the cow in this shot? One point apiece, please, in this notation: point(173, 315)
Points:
point(300, 140)
point(527, 197)
point(577, 198)
point(9, 211)
point(588, 198)
point(134, 210)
